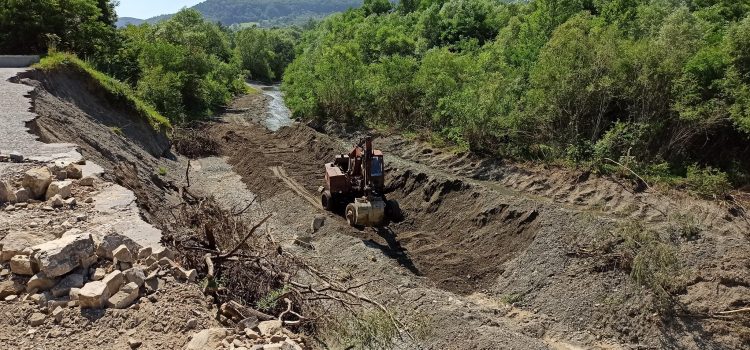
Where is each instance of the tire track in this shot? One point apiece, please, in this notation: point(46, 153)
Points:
point(293, 185)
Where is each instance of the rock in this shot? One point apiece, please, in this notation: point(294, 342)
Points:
point(251, 334)
point(110, 241)
point(88, 200)
point(87, 181)
point(277, 338)
point(88, 261)
point(37, 180)
point(185, 275)
point(61, 188)
point(134, 344)
point(191, 323)
point(16, 157)
point(71, 202)
point(22, 195)
point(11, 297)
point(56, 202)
point(291, 345)
point(98, 274)
point(74, 293)
point(40, 298)
point(124, 297)
point(10, 208)
point(207, 339)
point(15, 242)
point(144, 253)
point(81, 217)
point(93, 295)
point(23, 265)
point(122, 266)
point(37, 319)
point(9, 287)
point(6, 192)
point(40, 282)
point(62, 255)
point(317, 223)
point(122, 254)
point(275, 346)
point(135, 275)
point(153, 284)
point(268, 328)
point(71, 281)
point(114, 280)
point(161, 252)
point(57, 314)
point(74, 171)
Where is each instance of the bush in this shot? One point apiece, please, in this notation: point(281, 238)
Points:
point(707, 182)
point(651, 260)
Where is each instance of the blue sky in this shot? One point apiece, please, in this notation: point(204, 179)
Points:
point(149, 8)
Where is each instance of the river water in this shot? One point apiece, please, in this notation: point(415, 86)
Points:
point(278, 115)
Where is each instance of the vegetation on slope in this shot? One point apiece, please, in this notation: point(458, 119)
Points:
point(119, 91)
point(267, 12)
point(656, 85)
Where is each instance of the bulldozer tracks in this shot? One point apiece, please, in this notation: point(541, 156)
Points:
point(295, 186)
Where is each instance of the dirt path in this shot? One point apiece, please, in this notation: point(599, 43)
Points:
point(293, 185)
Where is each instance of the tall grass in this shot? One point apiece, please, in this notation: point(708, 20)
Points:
point(120, 91)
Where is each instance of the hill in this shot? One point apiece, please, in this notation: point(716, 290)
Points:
point(266, 12)
point(124, 21)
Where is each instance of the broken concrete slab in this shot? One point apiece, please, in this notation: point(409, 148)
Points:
point(122, 254)
point(126, 296)
point(62, 255)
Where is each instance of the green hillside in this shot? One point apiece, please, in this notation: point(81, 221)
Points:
point(267, 12)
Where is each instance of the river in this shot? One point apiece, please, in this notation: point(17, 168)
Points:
point(278, 114)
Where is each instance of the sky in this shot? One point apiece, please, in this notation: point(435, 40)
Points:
point(149, 8)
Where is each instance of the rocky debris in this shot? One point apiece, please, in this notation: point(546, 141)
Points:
point(126, 296)
point(93, 295)
point(63, 255)
point(144, 253)
point(37, 180)
point(111, 241)
point(15, 243)
point(134, 344)
point(59, 188)
point(57, 314)
point(73, 171)
point(135, 275)
point(98, 274)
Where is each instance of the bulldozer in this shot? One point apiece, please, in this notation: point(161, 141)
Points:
point(356, 181)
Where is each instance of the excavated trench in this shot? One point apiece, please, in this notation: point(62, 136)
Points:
point(455, 233)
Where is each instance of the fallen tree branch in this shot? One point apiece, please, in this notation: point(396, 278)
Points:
point(239, 245)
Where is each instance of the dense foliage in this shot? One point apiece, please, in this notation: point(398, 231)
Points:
point(265, 53)
point(32, 26)
point(637, 81)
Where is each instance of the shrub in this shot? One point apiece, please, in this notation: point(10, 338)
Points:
point(652, 262)
point(707, 182)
